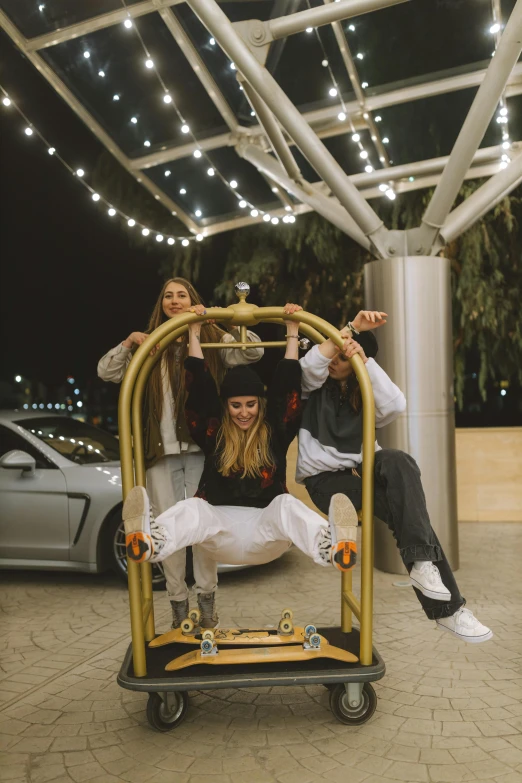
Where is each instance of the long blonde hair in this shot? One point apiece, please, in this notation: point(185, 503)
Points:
point(247, 451)
point(173, 358)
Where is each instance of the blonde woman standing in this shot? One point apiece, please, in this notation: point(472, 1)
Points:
point(173, 461)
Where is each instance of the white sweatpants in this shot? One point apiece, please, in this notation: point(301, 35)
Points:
point(237, 534)
point(175, 477)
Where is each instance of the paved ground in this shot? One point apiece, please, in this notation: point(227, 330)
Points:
point(447, 711)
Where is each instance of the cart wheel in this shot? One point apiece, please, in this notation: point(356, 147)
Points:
point(208, 634)
point(285, 627)
point(187, 627)
point(287, 614)
point(195, 616)
point(353, 716)
point(166, 715)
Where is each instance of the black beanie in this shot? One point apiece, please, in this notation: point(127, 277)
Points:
point(368, 342)
point(241, 381)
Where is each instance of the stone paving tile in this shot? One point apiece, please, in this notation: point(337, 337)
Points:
point(447, 712)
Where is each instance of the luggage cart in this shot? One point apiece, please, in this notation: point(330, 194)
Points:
point(352, 697)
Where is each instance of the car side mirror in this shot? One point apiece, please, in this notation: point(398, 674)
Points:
point(18, 460)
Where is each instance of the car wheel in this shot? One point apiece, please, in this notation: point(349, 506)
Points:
point(119, 555)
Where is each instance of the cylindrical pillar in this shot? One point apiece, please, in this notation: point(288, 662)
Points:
point(415, 349)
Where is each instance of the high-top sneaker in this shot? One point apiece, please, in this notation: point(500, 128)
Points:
point(144, 537)
point(180, 610)
point(206, 604)
point(342, 518)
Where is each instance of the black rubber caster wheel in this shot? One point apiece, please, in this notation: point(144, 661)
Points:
point(165, 714)
point(345, 713)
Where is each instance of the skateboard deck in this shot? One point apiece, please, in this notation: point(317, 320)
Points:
point(234, 636)
point(267, 654)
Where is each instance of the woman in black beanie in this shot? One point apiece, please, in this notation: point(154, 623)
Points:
point(242, 512)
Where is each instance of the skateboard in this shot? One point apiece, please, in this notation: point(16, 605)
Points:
point(294, 652)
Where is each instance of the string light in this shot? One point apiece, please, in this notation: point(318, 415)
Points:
point(185, 243)
point(182, 191)
point(149, 63)
point(210, 172)
point(101, 74)
point(212, 42)
point(197, 153)
point(6, 101)
point(116, 97)
point(95, 196)
point(145, 232)
point(233, 184)
point(242, 204)
point(198, 213)
point(128, 24)
point(167, 173)
point(87, 54)
point(80, 173)
point(134, 120)
point(167, 98)
point(111, 212)
point(185, 129)
point(28, 131)
point(51, 150)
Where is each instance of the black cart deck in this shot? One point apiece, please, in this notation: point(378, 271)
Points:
point(204, 677)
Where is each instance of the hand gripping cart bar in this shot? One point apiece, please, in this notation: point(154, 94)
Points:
point(166, 667)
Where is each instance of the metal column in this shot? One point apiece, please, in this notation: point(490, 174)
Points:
point(416, 351)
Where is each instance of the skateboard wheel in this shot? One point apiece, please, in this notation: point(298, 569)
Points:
point(187, 626)
point(195, 616)
point(286, 628)
point(287, 614)
point(207, 646)
point(309, 630)
point(208, 634)
point(314, 640)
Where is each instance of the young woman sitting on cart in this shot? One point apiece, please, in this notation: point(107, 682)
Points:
point(330, 462)
point(242, 512)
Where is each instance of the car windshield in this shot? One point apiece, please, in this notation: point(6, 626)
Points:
point(82, 443)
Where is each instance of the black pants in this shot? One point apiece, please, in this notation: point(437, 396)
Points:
point(400, 502)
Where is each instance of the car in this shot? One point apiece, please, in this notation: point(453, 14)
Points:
point(60, 496)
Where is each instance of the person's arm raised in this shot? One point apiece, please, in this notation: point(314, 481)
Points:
point(194, 343)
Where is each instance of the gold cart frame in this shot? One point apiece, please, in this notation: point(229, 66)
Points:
point(130, 419)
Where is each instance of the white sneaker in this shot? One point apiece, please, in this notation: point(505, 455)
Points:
point(464, 625)
point(342, 519)
point(425, 576)
point(136, 519)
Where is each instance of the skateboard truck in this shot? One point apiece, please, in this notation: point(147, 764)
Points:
point(208, 645)
point(312, 640)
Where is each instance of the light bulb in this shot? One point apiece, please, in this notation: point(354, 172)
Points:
point(29, 131)
point(233, 66)
point(146, 143)
point(503, 164)
point(285, 219)
point(495, 28)
point(341, 116)
point(309, 29)
point(288, 208)
point(378, 118)
point(6, 101)
point(383, 188)
point(368, 169)
point(111, 211)
point(332, 92)
point(185, 243)
point(506, 145)
point(363, 154)
point(198, 213)
point(325, 63)
point(210, 172)
point(356, 137)
point(167, 173)
point(185, 128)
point(364, 85)
point(167, 98)
point(80, 172)
point(411, 179)
point(242, 204)
point(182, 191)
point(197, 153)
point(101, 74)
point(391, 195)
point(51, 150)
point(159, 237)
point(385, 140)
point(116, 97)
point(275, 221)
point(149, 63)
point(212, 42)
point(134, 120)
point(233, 183)
point(252, 114)
point(506, 158)
point(87, 55)
point(128, 24)
point(382, 158)
point(254, 212)
point(41, 7)
point(145, 232)
point(505, 135)
point(351, 28)
point(131, 222)
point(170, 241)
point(266, 217)
point(95, 196)
point(199, 237)
point(360, 56)
point(503, 112)
point(275, 190)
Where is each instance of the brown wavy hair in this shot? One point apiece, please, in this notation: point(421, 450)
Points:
point(209, 333)
point(248, 451)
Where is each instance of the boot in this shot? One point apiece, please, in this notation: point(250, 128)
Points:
point(206, 604)
point(180, 610)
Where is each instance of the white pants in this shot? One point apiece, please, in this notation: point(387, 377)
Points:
point(175, 477)
point(236, 534)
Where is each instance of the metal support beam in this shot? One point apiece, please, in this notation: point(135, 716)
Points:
point(273, 131)
point(319, 16)
point(319, 157)
point(198, 66)
point(71, 100)
point(482, 200)
point(328, 208)
point(474, 127)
